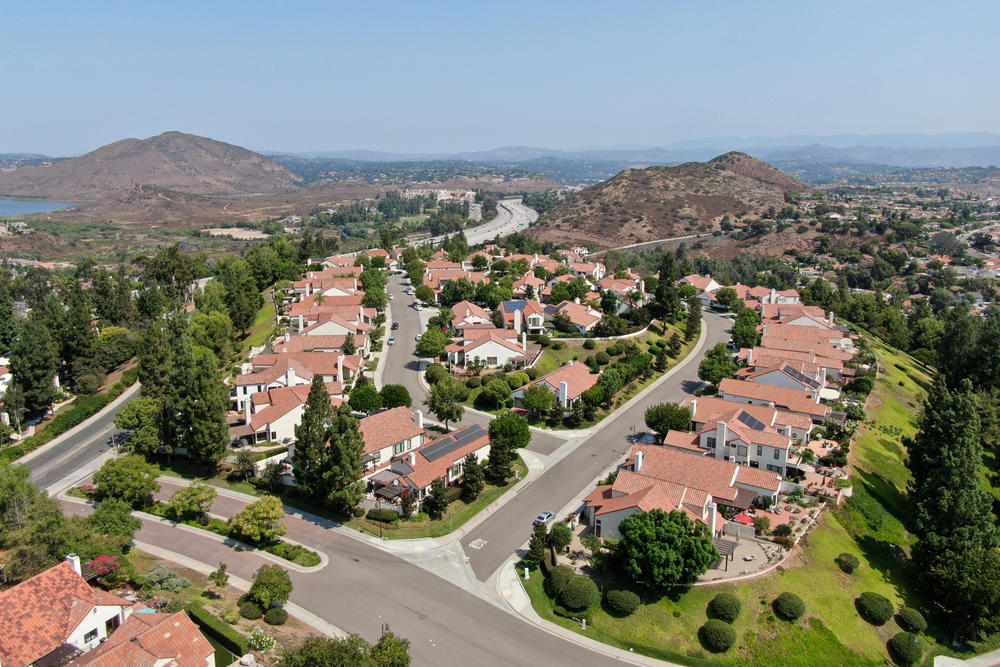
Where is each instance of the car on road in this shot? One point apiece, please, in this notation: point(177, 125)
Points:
point(545, 518)
point(391, 340)
point(411, 291)
point(395, 325)
point(417, 338)
point(417, 306)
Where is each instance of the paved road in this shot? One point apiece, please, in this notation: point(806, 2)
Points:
point(508, 528)
point(76, 451)
point(512, 216)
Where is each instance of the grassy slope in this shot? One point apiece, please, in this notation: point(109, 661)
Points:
point(832, 632)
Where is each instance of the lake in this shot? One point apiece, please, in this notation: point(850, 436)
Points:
point(10, 208)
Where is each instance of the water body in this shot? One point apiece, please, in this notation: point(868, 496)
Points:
point(10, 208)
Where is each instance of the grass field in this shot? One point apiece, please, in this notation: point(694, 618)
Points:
point(870, 526)
point(263, 325)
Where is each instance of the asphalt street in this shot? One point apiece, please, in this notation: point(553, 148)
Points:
point(512, 216)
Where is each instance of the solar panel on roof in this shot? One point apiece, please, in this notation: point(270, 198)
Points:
point(800, 377)
point(449, 444)
point(751, 421)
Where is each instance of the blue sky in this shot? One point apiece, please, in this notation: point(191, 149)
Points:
point(453, 76)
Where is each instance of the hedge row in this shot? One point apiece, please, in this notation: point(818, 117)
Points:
point(83, 408)
point(219, 630)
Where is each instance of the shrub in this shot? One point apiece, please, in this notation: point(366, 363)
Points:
point(589, 344)
point(761, 524)
point(230, 616)
point(473, 382)
point(905, 648)
point(911, 620)
point(251, 610)
point(275, 616)
point(434, 373)
point(515, 381)
point(661, 343)
point(167, 580)
point(559, 576)
point(848, 562)
point(621, 602)
point(724, 607)
point(543, 340)
point(383, 515)
point(358, 512)
point(784, 530)
point(558, 345)
point(603, 358)
point(579, 593)
point(717, 636)
point(613, 350)
point(230, 639)
point(874, 608)
point(788, 606)
point(786, 542)
point(532, 373)
point(260, 640)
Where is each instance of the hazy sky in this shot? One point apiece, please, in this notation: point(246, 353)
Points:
point(467, 75)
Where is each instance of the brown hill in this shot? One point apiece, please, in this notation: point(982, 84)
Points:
point(662, 202)
point(174, 160)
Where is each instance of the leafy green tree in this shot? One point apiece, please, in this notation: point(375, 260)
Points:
point(220, 577)
point(473, 478)
point(34, 364)
point(214, 331)
point(664, 550)
point(211, 298)
point(142, 417)
point(191, 502)
point(425, 294)
point(675, 345)
point(664, 417)
point(260, 522)
point(129, 478)
point(745, 328)
point(114, 517)
point(496, 391)
point(717, 365)
point(436, 502)
point(349, 346)
point(341, 463)
point(395, 396)
point(692, 326)
point(13, 405)
point(243, 299)
point(351, 651)
point(365, 398)
point(560, 536)
point(538, 399)
point(155, 353)
point(727, 297)
point(203, 411)
point(311, 435)
point(508, 433)
point(8, 322)
point(271, 585)
point(536, 545)
point(432, 344)
point(445, 400)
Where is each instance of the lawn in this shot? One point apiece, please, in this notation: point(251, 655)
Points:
point(263, 325)
point(869, 526)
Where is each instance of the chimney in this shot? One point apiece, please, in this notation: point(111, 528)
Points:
point(517, 320)
point(569, 363)
point(774, 295)
point(290, 376)
point(721, 433)
point(829, 318)
point(638, 461)
point(770, 404)
point(340, 368)
point(74, 560)
point(288, 337)
point(642, 286)
point(246, 409)
point(524, 341)
point(576, 300)
point(420, 419)
point(563, 391)
point(412, 458)
point(694, 407)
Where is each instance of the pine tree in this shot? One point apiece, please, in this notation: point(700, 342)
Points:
point(473, 478)
point(34, 363)
point(341, 467)
point(311, 436)
point(79, 341)
point(154, 360)
point(8, 323)
point(693, 327)
point(536, 546)
point(207, 434)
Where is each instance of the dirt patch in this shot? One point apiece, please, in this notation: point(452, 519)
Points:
point(236, 232)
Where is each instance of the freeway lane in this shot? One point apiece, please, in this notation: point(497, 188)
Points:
point(512, 215)
point(77, 450)
point(510, 526)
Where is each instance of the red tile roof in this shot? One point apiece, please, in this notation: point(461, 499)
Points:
point(426, 471)
point(577, 377)
point(578, 314)
point(145, 640)
point(387, 428)
point(38, 615)
point(790, 399)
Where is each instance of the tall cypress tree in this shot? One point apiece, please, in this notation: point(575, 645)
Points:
point(34, 363)
point(311, 436)
point(341, 467)
point(8, 323)
point(154, 360)
point(79, 340)
point(952, 515)
point(693, 326)
point(206, 432)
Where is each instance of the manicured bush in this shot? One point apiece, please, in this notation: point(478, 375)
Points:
point(275, 616)
point(613, 350)
point(358, 512)
point(724, 607)
point(167, 580)
point(559, 576)
point(906, 648)
point(784, 530)
point(661, 343)
point(543, 340)
point(717, 636)
point(473, 382)
point(558, 345)
point(621, 602)
point(212, 626)
point(603, 358)
point(383, 515)
point(874, 608)
point(788, 606)
point(848, 562)
point(589, 344)
point(579, 593)
point(435, 373)
point(911, 620)
point(515, 381)
point(592, 362)
point(786, 542)
point(532, 373)
point(251, 610)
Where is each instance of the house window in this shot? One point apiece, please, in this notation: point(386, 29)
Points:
point(754, 464)
point(710, 442)
point(491, 361)
point(112, 624)
point(741, 450)
point(90, 636)
point(776, 453)
point(400, 447)
point(776, 469)
point(455, 471)
point(760, 450)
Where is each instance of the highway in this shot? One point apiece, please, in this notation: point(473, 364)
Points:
point(512, 216)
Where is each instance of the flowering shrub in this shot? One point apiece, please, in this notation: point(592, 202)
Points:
point(260, 640)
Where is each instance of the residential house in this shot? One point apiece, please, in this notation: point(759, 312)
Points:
point(390, 434)
point(792, 400)
point(288, 343)
point(468, 314)
point(440, 459)
point(624, 289)
point(55, 616)
point(495, 347)
point(269, 371)
point(700, 283)
point(529, 279)
point(592, 270)
point(707, 410)
point(523, 316)
point(272, 415)
point(567, 382)
point(796, 314)
point(739, 436)
point(583, 318)
point(151, 639)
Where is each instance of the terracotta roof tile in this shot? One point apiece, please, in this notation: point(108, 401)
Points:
point(387, 428)
point(148, 639)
